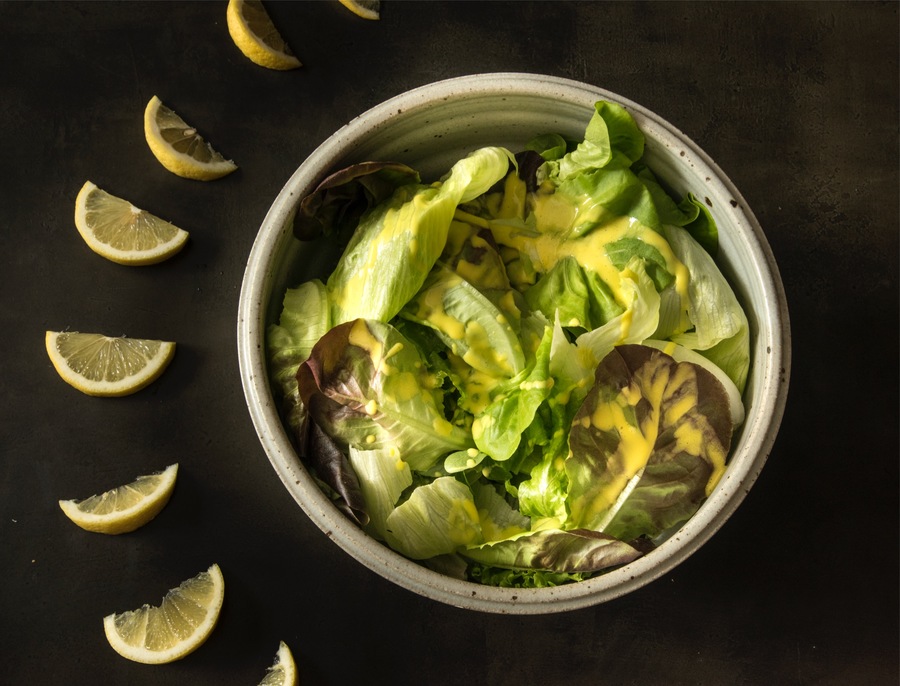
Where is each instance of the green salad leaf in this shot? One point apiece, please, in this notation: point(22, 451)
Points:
point(721, 330)
point(555, 550)
point(498, 430)
point(383, 477)
point(305, 318)
point(577, 295)
point(468, 323)
point(438, 518)
point(341, 198)
point(398, 241)
point(525, 373)
point(366, 385)
point(653, 430)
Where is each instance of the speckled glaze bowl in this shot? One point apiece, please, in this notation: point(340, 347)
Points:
point(429, 128)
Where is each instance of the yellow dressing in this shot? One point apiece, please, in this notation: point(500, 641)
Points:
point(361, 337)
point(490, 531)
point(431, 309)
point(462, 522)
point(636, 442)
point(441, 426)
point(404, 386)
point(514, 197)
point(556, 220)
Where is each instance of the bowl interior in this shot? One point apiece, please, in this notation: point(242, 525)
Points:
point(429, 129)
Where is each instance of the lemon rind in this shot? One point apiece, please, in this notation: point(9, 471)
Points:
point(177, 162)
point(361, 11)
point(130, 519)
point(284, 662)
point(105, 389)
point(136, 258)
point(181, 648)
point(252, 46)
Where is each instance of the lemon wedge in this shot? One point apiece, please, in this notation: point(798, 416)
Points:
point(175, 628)
point(252, 30)
point(367, 9)
point(124, 508)
point(284, 671)
point(102, 365)
point(178, 146)
point(119, 231)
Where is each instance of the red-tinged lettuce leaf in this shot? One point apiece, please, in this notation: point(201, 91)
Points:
point(340, 200)
point(528, 163)
point(555, 550)
point(647, 445)
point(366, 385)
point(331, 467)
point(668, 493)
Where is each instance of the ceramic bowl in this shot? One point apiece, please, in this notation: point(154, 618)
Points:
point(429, 128)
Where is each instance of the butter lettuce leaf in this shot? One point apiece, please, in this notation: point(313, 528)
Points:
point(648, 444)
point(438, 518)
point(468, 323)
point(498, 519)
point(366, 385)
point(612, 136)
point(383, 477)
point(638, 322)
point(498, 430)
point(398, 241)
point(338, 202)
point(305, 318)
point(555, 550)
point(578, 296)
point(721, 331)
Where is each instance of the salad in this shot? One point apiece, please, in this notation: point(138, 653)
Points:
point(525, 373)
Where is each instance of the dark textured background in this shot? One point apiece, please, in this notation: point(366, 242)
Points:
point(797, 102)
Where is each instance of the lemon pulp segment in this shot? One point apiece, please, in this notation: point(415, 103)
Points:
point(124, 508)
point(284, 671)
point(179, 147)
point(367, 9)
point(119, 231)
point(102, 365)
point(253, 32)
point(175, 628)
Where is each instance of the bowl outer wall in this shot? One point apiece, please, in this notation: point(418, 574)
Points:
point(430, 128)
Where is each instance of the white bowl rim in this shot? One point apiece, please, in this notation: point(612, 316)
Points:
point(693, 534)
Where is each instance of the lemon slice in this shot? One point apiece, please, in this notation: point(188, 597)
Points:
point(106, 366)
point(119, 231)
point(367, 9)
point(284, 671)
point(252, 30)
point(174, 629)
point(124, 508)
point(178, 146)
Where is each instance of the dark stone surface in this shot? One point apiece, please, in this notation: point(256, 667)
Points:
point(797, 102)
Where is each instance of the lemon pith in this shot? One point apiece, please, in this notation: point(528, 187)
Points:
point(124, 508)
point(179, 147)
point(179, 625)
point(253, 32)
point(119, 231)
point(284, 671)
point(101, 365)
point(367, 9)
